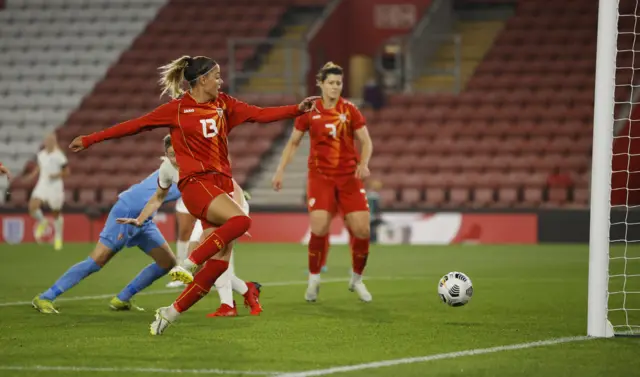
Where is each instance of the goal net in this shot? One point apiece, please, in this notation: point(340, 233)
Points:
point(624, 254)
point(614, 261)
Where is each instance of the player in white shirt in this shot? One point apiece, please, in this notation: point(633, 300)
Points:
point(186, 222)
point(52, 168)
point(228, 282)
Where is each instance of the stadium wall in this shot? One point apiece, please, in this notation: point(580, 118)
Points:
point(359, 27)
point(427, 228)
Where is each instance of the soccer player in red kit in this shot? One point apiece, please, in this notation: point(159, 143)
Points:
point(335, 177)
point(200, 121)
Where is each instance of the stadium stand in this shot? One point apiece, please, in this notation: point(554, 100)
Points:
point(524, 117)
point(52, 54)
point(127, 88)
point(521, 124)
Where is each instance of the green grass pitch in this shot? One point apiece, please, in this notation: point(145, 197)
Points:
point(522, 294)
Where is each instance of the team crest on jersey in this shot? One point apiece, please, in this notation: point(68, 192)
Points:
point(220, 112)
point(13, 230)
point(343, 117)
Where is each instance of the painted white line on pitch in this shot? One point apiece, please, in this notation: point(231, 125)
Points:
point(47, 368)
point(165, 291)
point(439, 356)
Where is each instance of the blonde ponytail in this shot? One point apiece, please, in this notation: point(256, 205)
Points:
point(171, 76)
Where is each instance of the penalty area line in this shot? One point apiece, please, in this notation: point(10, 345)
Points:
point(439, 356)
point(176, 290)
point(51, 368)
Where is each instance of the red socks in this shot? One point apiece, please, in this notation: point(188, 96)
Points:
point(229, 231)
point(201, 285)
point(359, 254)
point(318, 250)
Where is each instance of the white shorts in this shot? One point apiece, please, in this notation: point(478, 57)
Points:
point(180, 207)
point(52, 196)
point(198, 230)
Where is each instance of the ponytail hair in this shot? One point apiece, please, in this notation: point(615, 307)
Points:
point(183, 68)
point(171, 76)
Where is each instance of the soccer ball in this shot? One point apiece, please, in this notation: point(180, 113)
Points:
point(455, 289)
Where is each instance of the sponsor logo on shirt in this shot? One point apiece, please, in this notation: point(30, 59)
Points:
point(189, 111)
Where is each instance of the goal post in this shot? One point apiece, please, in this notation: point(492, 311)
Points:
point(598, 324)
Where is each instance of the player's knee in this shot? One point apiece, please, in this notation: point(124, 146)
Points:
point(320, 228)
point(34, 205)
point(362, 231)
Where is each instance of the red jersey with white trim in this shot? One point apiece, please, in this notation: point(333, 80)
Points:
point(199, 131)
point(333, 150)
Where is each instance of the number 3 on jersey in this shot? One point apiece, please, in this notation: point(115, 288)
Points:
point(209, 127)
point(332, 129)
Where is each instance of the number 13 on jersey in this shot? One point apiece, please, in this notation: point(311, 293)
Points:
point(209, 127)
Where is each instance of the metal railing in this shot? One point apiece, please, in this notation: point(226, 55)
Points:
point(421, 46)
point(456, 69)
point(292, 68)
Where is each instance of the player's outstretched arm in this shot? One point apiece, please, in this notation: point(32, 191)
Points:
point(362, 134)
point(5, 171)
point(150, 208)
point(162, 116)
point(286, 157)
point(242, 112)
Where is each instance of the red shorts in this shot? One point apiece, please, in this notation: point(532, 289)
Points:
point(345, 193)
point(198, 192)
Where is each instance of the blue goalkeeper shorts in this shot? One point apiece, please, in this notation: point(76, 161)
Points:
point(118, 236)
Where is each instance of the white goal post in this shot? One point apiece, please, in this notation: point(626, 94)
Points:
point(597, 320)
point(603, 256)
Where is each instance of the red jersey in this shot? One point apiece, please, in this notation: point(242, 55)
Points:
point(199, 131)
point(333, 150)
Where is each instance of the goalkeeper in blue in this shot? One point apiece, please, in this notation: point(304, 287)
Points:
point(116, 236)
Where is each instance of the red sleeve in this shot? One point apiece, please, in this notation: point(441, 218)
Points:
point(162, 116)
point(357, 119)
point(241, 112)
point(302, 123)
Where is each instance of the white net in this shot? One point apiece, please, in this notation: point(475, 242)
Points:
point(624, 263)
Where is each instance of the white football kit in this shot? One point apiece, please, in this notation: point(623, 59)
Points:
point(50, 190)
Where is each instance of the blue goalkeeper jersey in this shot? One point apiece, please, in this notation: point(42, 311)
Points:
point(137, 196)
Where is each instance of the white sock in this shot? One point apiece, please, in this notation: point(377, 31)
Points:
point(314, 278)
point(356, 278)
point(182, 249)
point(171, 313)
point(187, 264)
point(37, 214)
point(57, 227)
point(223, 286)
point(238, 285)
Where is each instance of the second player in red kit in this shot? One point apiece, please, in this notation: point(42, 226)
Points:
point(335, 176)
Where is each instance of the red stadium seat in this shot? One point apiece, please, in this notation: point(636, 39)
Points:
point(435, 197)
point(483, 197)
point(507, 196)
